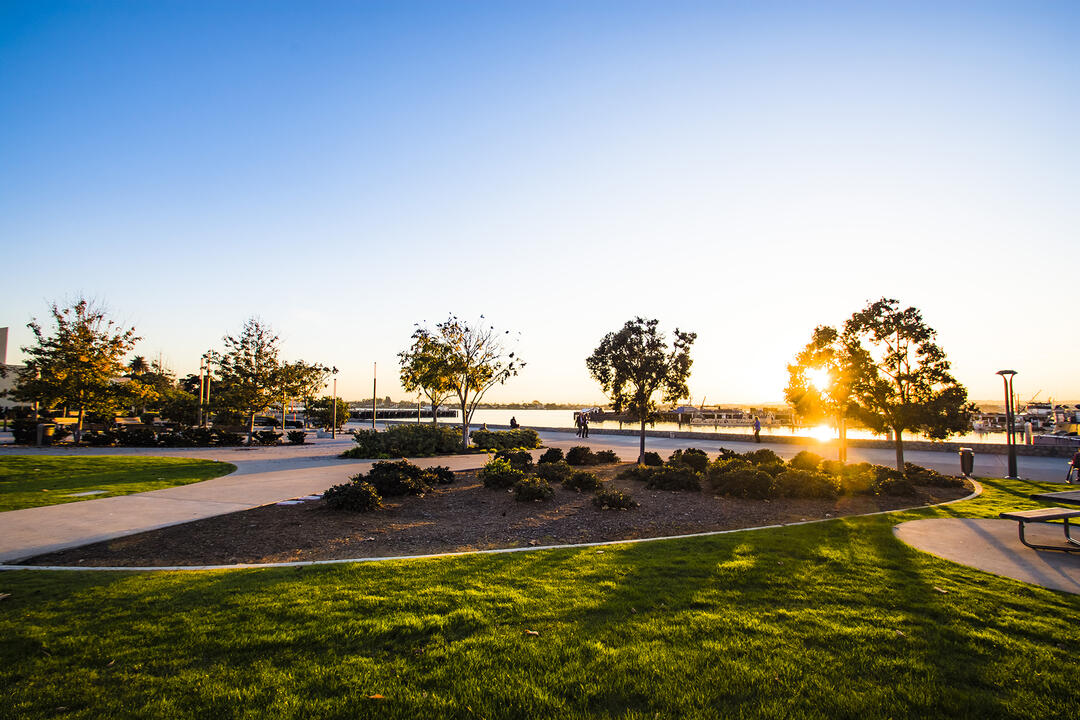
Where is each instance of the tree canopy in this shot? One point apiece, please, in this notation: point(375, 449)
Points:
point(426, 368)
point(251, 375)
point(76, 365)
point(635, 363)
point(820, 383)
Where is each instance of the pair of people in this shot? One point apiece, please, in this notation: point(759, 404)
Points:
point(582, 421)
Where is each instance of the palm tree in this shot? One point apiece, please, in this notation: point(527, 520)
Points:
point(138, 365)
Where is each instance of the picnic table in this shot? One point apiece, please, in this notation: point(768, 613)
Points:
point(1069, 497)
point(1045, 515)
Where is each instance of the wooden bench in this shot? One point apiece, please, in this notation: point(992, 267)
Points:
point(1045, 515)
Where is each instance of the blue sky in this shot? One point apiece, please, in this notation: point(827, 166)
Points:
point(743, 170)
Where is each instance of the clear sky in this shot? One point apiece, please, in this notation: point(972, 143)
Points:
point(743, 170)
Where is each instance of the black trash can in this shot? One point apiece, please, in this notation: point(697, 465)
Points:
point(967, 461)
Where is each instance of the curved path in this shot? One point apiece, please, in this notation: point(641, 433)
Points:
point(993, 546)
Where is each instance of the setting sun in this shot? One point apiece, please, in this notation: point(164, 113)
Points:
point(819, 378)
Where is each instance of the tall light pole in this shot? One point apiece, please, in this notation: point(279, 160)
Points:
point(1007, 378)
point(374, 380)
point(333, 406)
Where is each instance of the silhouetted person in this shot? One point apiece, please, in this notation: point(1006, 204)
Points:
point(1074, 466)
point(514, 423)
point(757, 430)
point(577, 423)
point(585, 425)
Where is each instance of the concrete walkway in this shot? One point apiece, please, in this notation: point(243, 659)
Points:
point(263, 476)
point(994, 546)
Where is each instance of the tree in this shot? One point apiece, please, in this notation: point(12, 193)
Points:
point(635, 363)
point(138, 365)
point(425, 368)
point(900, 377)
point(302, 380)
point(321, 412)
point(476, 360)
point(819, 383)
point(251, 376)
point(78, 364)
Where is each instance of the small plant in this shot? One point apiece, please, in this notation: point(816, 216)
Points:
point(267, 437)
point(612, 499)
point(580, 455)
point(225, 438)
point(891, 482)
point(582, 481)
point(670, 476)
point(764, 456)
point(692, 458)
point(519, 458)
point(356, 496)
point(918, 475)
point(137, 437)
point(296, 437)
point(102, 438)
point(859, 478)
point(499, 474)
point(551, 455)
point(555, 472)
point(607, 457)
point(637, 472)
point(531, 489)
point(832, 467)
point(653, 459)
point(806, 460)
point(747, 482)
point(806, 484)
point(394, 478)
point(438, 475)
point(406, 441)
point(504, 439)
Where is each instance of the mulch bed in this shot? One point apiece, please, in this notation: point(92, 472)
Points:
point(458, 517)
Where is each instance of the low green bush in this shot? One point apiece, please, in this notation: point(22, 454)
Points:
point(505, 439)
point(499, 474)
point(555, 472)
point(224, 438)
point(748, 482)
point(832, 467)
point(438, 475)
point(582, 481)
point(607, 457)
point(105, 438)
point(892, 482)
point(806, 460)
point(137, 437)
point(266, 437)
point(653, 459)
point(612, 499)
point(580, 455)
point(858, 478)
point(798, 483)
point(918, 475)
point(394, 478)
point(531, 489)
point(551, 455)
point(24, 430)
point(408, 440)
point(520, 458)
point(636, 472)
point(692, 458)
point(296, 437)
point(671, 476)
point(358, 496)
point(764, 456)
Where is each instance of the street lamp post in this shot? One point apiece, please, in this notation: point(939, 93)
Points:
point(1007, 378)
point(333, 406)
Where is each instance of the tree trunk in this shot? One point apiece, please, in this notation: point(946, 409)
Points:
point(251, 429)
point(434, 414)
point(641, 450)
point(899, 450)
point(842, 451)
point(464, 426)
point(78, 427)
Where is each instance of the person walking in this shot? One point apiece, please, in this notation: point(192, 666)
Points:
point(1074, 466)
point(577, 423)
point(585, 425)
point(757, 429)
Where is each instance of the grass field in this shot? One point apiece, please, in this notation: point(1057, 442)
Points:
point(830, 620)
point(35, 480)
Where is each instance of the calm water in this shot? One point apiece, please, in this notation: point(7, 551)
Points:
point(565, 419)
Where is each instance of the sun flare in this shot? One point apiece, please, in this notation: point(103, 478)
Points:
point(819, 378)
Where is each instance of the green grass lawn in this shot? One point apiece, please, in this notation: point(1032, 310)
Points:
point(35, 480)
point(831, 620)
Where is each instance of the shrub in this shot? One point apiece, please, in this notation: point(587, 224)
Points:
point(357, 496)
point(60, 434)
point(858, 478)
point(199, 437)
point(607, 457)
point(581, 455)
point(653, 459)
point(670, 476)
point(438, 475)
point(748, 482)
point(612, 499)
point(806, 460)
point(918, 475)
point(499, 474)
point(266, 437)
point(806, 484)
point(832, 467)
point(24, 430)
point(296, 437)
point(393, 478)
point(529, 489)
point(406, 440)
point(551, 455)
point(692, 458)
point(101, 438)
point(520, 458)
point(505, 439)
point(225, 438)
point(764, 456)
point(554, 471)
point(636, 472)
point(174, 439)
point(891, 482)
point(137, 437)
point(582, 481)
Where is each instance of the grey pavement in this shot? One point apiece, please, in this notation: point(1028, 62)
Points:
point(994, 546)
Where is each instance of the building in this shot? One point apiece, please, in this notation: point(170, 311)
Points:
point(7, 372)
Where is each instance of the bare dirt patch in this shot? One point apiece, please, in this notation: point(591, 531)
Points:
point(462, 516)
